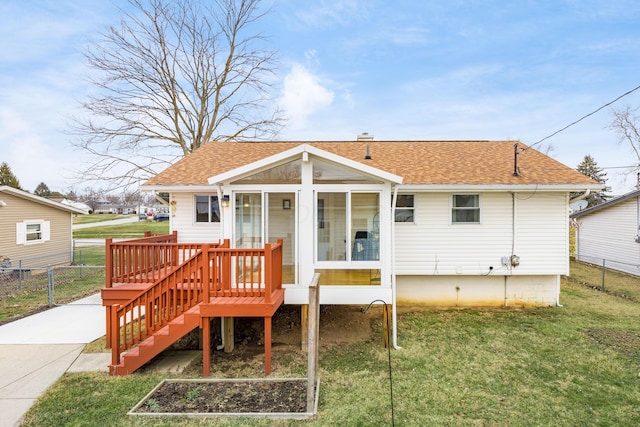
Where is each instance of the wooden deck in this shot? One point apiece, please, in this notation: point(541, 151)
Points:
point(158, 290)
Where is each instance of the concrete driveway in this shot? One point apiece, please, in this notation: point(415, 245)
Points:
point(37, 350)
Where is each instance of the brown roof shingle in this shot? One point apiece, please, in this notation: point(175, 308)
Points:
point(418, 162)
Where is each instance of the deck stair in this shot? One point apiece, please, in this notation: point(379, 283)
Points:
point(158, 342)
point(158, 290)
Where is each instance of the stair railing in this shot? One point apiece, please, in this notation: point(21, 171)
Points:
point(156, 306)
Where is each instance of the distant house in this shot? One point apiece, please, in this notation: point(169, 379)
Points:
point(86, 209)
point(32, 226)
point(610, 233)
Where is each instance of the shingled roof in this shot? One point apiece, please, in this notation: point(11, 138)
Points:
point(418, 162)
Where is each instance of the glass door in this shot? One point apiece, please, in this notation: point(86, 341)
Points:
point(281, 225)
point(248, 232)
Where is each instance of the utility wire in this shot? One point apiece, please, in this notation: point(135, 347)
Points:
point(582, 118)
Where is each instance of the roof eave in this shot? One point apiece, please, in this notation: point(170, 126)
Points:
point(178, 188)
point(501, 187)
point(40, 200)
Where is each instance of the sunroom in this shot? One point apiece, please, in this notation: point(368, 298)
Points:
point(332, 214)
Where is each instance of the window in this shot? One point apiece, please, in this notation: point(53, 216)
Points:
point(465, 208)
point(405, 208)
point(34, 231)
point(207, 209)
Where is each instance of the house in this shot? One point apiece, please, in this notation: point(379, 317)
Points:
point(32, 227)
point(609, 233)
point(86, 209)
point(440, 223)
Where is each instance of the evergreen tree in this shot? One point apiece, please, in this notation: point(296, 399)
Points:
point(42, 190)
point(7, 177)
point(589, 167)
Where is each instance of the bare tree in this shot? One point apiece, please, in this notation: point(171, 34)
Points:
point(173, 76)
point(626, 123)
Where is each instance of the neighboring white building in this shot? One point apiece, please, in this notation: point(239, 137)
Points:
point(610, 233)
point(447, 223)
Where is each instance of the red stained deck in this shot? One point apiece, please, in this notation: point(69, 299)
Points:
point(157, 290)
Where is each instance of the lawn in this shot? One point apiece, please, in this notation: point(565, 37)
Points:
point(557, 366)
point(132, 230)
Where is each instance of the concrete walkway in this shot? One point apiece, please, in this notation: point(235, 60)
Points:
point(37, 350)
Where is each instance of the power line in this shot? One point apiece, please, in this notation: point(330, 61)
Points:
point(584, 117)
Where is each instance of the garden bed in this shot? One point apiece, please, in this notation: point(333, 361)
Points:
point(282, 398)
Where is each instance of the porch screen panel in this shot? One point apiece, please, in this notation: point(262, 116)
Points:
point(365, 226)
point(331, 227)
point(248, 220)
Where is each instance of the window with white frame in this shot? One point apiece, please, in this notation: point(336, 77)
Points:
point(405, 208)
point(207, 209)
point(465, 208)
point(33, 231)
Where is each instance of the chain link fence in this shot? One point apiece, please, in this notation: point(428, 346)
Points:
point(43, 281)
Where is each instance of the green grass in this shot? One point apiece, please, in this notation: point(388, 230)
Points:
point(469, 367)
point(132, 230)
point(615, 282)
point(86, 219)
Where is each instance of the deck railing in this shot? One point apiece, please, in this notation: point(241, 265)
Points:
point(240, 272)
point(145, 260)
point(229, 272)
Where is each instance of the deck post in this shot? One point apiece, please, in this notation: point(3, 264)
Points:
point(313, 340)
point(206, 279)
point(267, 345)
point(304, 325)
point(228, 335)
point(108, 326)
point(108, 263)
point(115, 335)
point(206, 346)
point(385, 324)
point(268, 270)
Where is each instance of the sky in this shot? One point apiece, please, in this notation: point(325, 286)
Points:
point(399, 70)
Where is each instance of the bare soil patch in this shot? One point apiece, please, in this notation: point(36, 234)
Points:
point(338, 325)
point(624, 342)
point(288, 396)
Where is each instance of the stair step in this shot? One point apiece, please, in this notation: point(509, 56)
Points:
point(158, 342)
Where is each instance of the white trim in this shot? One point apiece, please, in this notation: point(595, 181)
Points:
point(445, 188)
point(177, 188)
point(299, 151)
point(21, 232)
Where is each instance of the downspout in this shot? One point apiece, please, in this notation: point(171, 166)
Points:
point(394, 314)
point(222, 214)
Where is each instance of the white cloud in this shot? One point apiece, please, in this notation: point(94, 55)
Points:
point(28, 155)
point(303, 96)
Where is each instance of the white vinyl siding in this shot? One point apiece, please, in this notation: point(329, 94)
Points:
point(190, 231)
point(609, 234)
point(435, 246)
